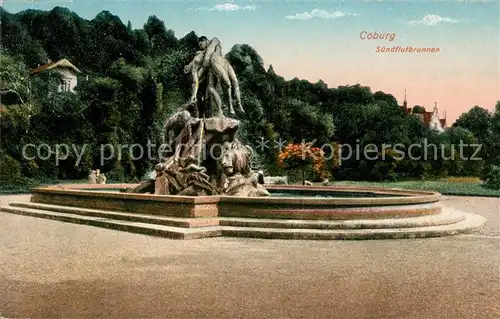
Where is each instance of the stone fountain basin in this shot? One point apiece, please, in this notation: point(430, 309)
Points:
point(287, 202)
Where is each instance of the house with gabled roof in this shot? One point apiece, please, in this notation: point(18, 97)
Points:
point(67, 71)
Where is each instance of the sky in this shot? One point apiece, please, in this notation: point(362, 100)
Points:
point(327, 40)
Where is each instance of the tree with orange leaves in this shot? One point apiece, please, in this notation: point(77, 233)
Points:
point(301, 155)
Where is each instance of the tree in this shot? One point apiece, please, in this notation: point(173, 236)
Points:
point(296, 121)
point(460, 161)
point(354, 94)
point(14, 124)
point(495, 136)
point(14, 81)
point(136, 80)
point(417, 109)
point(189, 42)
point(161, 40)
point(17, 41)
point(492, 177)
point(478, 121)
point(302, 155)
point(62, 120)
point(383, 97)
point(245, 59)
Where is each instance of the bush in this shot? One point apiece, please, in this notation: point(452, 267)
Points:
point(303, 156)
point(117, 174)
point(30, 168)
point(279, 182)
point(10, 169)
point(492, 177)
point(463, 179)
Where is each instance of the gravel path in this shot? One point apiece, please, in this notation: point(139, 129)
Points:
point(487, 207)
point(58, 270)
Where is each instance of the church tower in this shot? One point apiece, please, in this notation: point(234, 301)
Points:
point(405, 103)
point(435, 122)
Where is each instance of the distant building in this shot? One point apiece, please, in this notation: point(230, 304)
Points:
point(431, 119)
point(67, 71)
point(434, 122)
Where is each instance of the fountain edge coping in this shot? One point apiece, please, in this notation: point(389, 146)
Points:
point(409, 196)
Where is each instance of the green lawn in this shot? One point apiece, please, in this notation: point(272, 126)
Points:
point(443, 186)
point(25, 185)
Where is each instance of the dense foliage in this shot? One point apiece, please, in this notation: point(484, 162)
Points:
point(492, 177)
point(302, 155)
point(132, 80)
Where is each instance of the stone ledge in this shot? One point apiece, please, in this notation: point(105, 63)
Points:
point(127, 226)
point(412, 203)
point(128, 196)
point(142, 218)
point(131, 204)
point(403, 222)
point(445, 218)
point(470, 223)
point(324, 212)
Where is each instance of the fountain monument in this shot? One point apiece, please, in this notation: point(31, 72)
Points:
point(205, 156)
point(205, 185)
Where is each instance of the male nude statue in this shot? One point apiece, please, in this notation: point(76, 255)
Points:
point(209, 65)
point(198, 75)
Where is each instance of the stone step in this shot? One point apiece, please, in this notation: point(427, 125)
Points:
point(444, 218)
point(139, 218)
point(420, 221)
point(471, 223)
point(127, 226)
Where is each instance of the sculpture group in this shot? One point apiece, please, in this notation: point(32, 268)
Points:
point(208, 69)
point(204, 156)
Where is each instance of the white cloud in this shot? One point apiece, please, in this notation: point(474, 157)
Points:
point(433, 19)
point(228, 6)
point(320, 14)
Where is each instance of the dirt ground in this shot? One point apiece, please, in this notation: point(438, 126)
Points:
point(51, 269)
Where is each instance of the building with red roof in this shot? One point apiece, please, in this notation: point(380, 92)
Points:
point(431, 119)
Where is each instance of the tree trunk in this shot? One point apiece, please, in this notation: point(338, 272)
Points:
point(303, 175)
